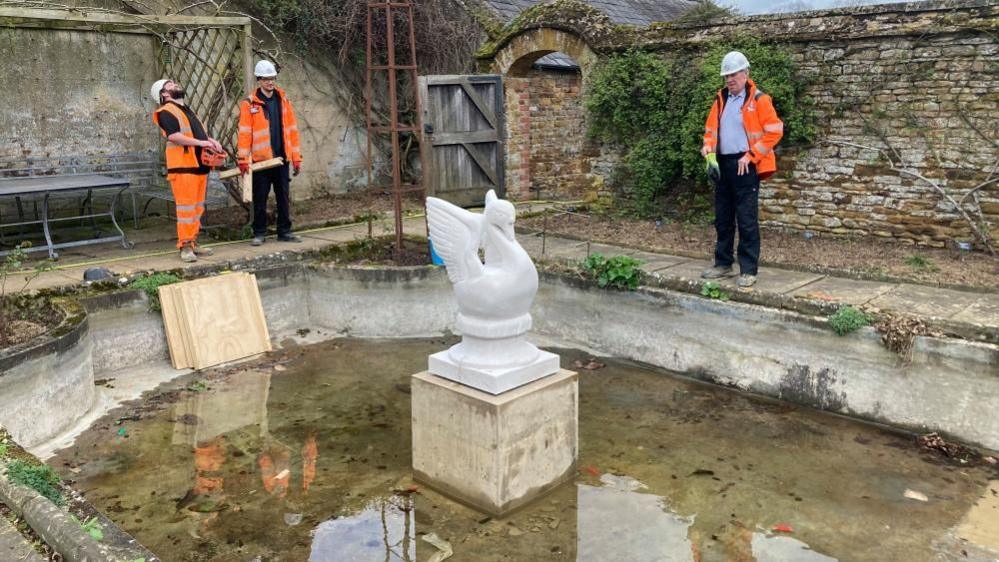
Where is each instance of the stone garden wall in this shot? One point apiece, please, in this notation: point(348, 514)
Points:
point(918, 81)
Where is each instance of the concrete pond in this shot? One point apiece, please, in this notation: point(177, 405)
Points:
point(707, 431)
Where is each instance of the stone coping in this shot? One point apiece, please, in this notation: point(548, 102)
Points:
point(56, 340)
point(58, 530)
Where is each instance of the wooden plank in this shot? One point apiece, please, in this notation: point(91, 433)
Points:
point(440, 139)
point(256, 166)
point(246, 187)
point(430, 170)
point(223, 318)
point(480, 104)
point(490, 171)
point(97, 16)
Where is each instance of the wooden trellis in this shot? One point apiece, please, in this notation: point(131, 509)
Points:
point(213, 64)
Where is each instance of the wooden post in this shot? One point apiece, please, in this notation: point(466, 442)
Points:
point(248, 82)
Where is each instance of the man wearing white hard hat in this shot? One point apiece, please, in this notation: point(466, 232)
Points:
point(190, 154)
point(740, 134)
point(268, 129)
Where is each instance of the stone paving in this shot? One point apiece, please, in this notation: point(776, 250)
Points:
point(14, 547)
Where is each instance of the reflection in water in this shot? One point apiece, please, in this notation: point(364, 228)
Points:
point(383, 531)
point(314, 464)
point(784, 549)
point(617, 522)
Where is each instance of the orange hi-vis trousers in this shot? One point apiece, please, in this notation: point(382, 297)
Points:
point(189, 194)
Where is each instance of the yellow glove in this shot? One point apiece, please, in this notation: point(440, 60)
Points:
point(711, 168)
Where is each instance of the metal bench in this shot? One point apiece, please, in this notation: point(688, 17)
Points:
point(82, 178)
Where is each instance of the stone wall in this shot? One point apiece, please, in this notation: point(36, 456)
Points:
point(918, 80)
point(75, 93)
point(916, 95)
point(548, 152)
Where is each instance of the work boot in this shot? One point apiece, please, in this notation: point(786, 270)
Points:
point(257, 241)
point(717, 272)
point(289, 238)
point(200, 250)
point(187, 254)
point(746, 281)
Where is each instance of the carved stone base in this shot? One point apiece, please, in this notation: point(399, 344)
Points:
point(495, 453)
point(494, 380)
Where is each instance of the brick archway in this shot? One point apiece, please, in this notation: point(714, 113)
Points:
point(548, 154)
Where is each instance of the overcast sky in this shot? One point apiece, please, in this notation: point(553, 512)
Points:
point(771, 6)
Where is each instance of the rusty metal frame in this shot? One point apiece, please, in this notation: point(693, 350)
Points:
point(394, 127)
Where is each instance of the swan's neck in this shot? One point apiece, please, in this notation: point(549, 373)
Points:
point(501, 251)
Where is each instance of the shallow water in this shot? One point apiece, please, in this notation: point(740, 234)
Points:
point(304, 455)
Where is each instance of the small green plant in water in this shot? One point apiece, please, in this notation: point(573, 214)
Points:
point(197, 386)
point(151, 284)
point(619, 272)
point(38, 477)
point(713, 290)
point(91, 526)
point(919, 263)
point(848, 319)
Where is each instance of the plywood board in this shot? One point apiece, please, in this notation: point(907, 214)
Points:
point(223, 319)
point(172, 326)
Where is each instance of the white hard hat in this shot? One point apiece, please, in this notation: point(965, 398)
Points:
point(264, 69)
point(157, 87)
point(734, 62)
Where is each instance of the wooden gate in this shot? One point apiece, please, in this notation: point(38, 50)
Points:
point(463, 126)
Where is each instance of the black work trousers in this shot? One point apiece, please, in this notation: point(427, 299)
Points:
point(737, 204)
point(280, 180)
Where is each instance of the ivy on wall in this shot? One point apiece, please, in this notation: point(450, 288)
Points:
point(654, 108)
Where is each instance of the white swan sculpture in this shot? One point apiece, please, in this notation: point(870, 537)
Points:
point(494, 298)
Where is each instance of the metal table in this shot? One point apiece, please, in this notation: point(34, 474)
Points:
point(47, 186)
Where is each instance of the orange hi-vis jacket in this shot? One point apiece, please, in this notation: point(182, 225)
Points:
point(177, 156)
point(255, 133)
point(763, 128)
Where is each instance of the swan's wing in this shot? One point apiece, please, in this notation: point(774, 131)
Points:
point(456, 234)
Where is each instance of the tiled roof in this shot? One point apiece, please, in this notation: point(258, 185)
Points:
point(634, 12)
point(556, 61)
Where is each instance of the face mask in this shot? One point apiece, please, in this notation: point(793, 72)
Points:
point(177, 94)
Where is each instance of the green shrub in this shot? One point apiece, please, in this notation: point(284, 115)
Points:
point(151, 283)
point(38, 477)
point(655, 110)
point(713, 290)
point(619, 272)
point(848, 319)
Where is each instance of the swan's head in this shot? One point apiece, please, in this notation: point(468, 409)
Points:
point(501, 214)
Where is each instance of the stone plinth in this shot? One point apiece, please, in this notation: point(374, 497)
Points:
point(494, 380)
point(495, 453)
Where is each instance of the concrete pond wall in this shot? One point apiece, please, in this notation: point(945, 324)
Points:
point(47, 384)
point(950, 385)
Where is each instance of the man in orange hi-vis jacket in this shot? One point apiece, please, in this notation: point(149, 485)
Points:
point(188, 177)
point(739, 139)
point(268, 129)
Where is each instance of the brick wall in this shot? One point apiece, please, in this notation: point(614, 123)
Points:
point(548, 154)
